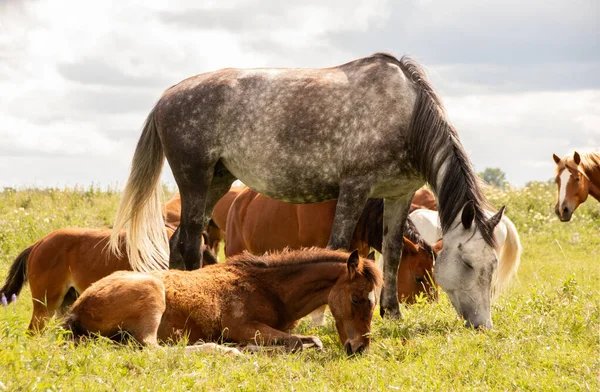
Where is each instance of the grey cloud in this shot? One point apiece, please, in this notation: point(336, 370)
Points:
point(536, 49)
point(113, 101)
point(478, 78)
point(98, 72)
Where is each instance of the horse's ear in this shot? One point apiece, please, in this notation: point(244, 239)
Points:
point(494, 220)
point(576, 158)
point(371, 255)
point(468, 214)
point(353, 263)
point(410, 246)
point(556, 158)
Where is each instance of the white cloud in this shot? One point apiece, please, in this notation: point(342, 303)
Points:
point(78, 78)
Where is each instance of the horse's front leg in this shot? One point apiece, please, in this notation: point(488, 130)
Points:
point(394, 217)
point(350, 204)
point(263, 335)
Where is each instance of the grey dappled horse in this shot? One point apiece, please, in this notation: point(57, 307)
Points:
point(372, 127)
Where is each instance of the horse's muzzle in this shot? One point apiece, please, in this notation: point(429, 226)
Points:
point(359, 350)
point(563, 214)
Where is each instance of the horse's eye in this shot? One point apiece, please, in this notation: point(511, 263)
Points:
point(577, 179)
point(355, 300)
point(467, 263)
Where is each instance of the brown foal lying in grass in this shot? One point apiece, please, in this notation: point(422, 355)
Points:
point(248, 300)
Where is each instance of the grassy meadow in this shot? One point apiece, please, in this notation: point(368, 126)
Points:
point(546, 335)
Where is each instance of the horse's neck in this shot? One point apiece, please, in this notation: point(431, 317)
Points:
point(593, 174)
point(306, 287)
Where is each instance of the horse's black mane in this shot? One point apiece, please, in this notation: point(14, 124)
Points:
point(433, 142)
point(370, 224)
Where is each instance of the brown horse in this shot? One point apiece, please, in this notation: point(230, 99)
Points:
point(62, 265)
point(577, 176)
point(423, 199)
point(250, 299)
point(258, 224)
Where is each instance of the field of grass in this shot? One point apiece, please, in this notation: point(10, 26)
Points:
point(546, 335)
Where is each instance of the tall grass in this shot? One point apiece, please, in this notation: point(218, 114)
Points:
point(546, 336)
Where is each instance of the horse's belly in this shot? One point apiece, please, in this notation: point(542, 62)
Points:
point(285, 181)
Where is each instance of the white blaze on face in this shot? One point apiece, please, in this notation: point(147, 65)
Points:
point(564, 179)
point(372, 296)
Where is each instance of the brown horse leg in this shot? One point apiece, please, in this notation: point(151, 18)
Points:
point(350, 204)
point(262, 334)
point(45, 306)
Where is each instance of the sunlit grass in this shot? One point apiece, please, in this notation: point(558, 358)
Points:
point(546, 336)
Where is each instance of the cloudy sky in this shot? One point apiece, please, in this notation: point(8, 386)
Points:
point(520, 79)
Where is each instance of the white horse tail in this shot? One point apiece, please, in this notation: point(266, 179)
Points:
point(139, 213)
point(510, 256)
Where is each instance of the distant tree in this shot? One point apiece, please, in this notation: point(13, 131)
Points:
point(494, 176)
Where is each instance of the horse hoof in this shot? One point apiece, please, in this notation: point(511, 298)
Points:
point(393, 314)
point(312, 342)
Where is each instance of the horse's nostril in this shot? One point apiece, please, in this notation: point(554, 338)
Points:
point(361, 349)
point(420, 279)
point(348, 348)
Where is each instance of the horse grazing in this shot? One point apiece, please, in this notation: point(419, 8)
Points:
point(508, 243)
point(249, 299)
point(577, 176)
point(370, 128)
point(258, 224)
point(61, 266)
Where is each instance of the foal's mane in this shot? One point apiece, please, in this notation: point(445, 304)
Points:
point(306, 256)
point(433, 142)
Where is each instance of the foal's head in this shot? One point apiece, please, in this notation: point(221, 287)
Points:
point(573, 185)
point(352, 301)
point(415, 273)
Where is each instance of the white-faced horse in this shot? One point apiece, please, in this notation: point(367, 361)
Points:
point(508, 243)
point(370, 128)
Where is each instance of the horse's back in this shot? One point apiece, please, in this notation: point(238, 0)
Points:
point(311, 119)
point(73, 256)
point(195, 301)
point(261, 224)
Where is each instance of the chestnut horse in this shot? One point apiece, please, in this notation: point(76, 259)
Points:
point(61, 266)
point(577, 176)
point(258, 224)
point(249, 299)
point(370, 128)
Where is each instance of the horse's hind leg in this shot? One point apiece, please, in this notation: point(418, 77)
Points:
point(351, 202)
point(199, 194)
point(394, 217)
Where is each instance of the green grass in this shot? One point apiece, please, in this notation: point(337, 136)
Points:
point(546, 334)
